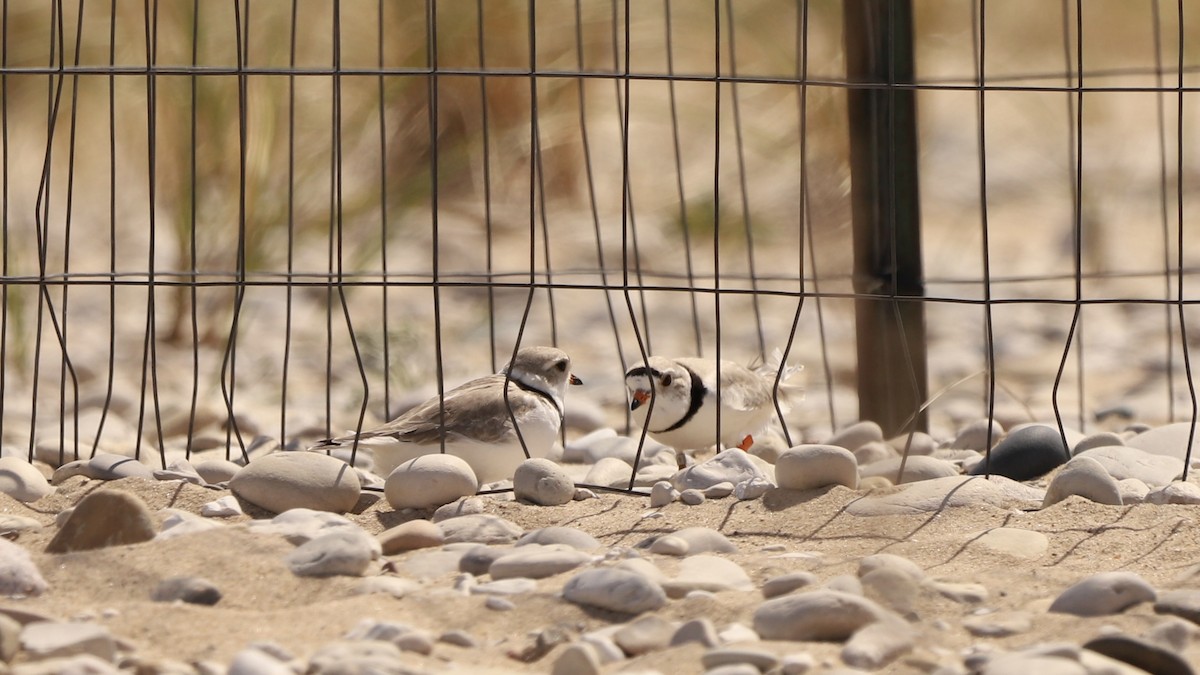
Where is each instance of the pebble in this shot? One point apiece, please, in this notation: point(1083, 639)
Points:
point(430, 481)
point(707, 573)
point(513, 586)
point(542, 481)
point(701, 631)
point(481, 528)
point(808, 467)
point(1133, 491)
point(1139, 653)
point(257, 661)
point(104, 518)
point(396, 587)
point(1170, 440)
point(557, 534)
point(1098, 440)
point(752, 488)
point(662, 493)
point(51, 639)
point(998, 625)
point(647, 633)
point(287, 480)
point(916, 468)
point(225, 507)
point(343, 552)
point(1175, 493)
point(1083, 477)
point(609, 472)
point(727, 466)
point(692, 497)
point(215, 471)
point(577, 659)
point(874, 452)
point(499, 604)
point(815, 616)
point(690, 541)
point(921, 444)
point(856, 435)
point(1122, 462)
point(22, 481)
point(761, 660)
point(1104, 593)
point(878, 644)
point(889, 561)
point(614, 590)
point(467, 506)
point(975, 435)
point(409, 536)
point(192, 590)
point(1026, 453)
point(19, 575)
point(459, 638)
point(358, 656)
point(786, 583)
point(301, 525)
point(537, 562)
point(1184, 603)
point(104, 466)
point(718, 491)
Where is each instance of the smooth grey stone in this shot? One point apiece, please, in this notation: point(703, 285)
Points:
point(844, 583)
point(1133, 491)
point(50, 639)
point(727, 466)
point(701, 631)
point(786, 583)
point(1027, 453)
point(921, 444)
point(358, 656)
point(286, 480)
point(480, 528)
point(1184, 603)
point(459, 638)
point(975, 436)
point(579, 658)
point(542, 481)
point(878, 644)
point(342, 552)
point(192, 590)
point(647, 633)
point(104, 466)
point(22, 481)
point(707, 573)
point(1175, 493)
point(104, 518)
point(808, 467)
point(430, 481)
point(872, 453)
point(536, 562)
point(19, 575)
point(216, 470)
point(815, 616)
point(761, 660)
point(890, 561)
point(301, 525)
point(964, 593)
point(1026, 664)
point(1170, 440)
point(1104, 593)
point(1140, 653)
point(1083, 477)
point(409, 536)
point(479, 559)
point(753, 488)
point(998, 625)
point(511, 586)
point(1122, 462)
point(180, 469)
point(1102, 439)
point(916, 468)
point(689, 541)
point(692, 497)
point(662, 494)
point(467, 506)
point(718, 491)
point(609, 472)
point(892, 589)
point(558, 534)
point(856, 435)
point(615, 590)
point(940, 493)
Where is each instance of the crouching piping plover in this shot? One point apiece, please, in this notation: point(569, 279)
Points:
point(477, 424)
point(686, 400)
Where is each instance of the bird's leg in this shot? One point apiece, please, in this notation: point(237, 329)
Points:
point(680, 459)
point(748, 441)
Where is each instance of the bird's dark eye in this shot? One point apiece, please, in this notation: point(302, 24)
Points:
point(666, 380)
point(562, 366)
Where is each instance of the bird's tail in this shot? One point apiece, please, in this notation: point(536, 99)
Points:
point(790, 392)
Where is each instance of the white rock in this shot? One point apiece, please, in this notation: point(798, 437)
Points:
point(940, 493)
point(878, 644)
point(707, 573)
point(808, 467)
point(718, 491)
point(542, 481)
point(255, 661)
point(692, 497)
point(19, 576)
point(1175, 493)
point(466, 506)
point(921, 444)
point(217, 470)
point(816, 616)
point(605, 647)
point(1170, 440)
point(856, 435)
point(342, 552)
point(537, 562)
point(1098, 440)
point(1133, 491)
point(577, 659)
point(430, 481)
point(22, 481)
point(916, 468)
point(752, 488)
point(727, 466)
point(786, 583)
point(880, 561)
point(287, 480)
point(692, 540)
point(179, 523)
point(50, 639)
point(301, 525)
point(506, 587)
point(1103, 594)
point(225, 507)
point(1024, 664)
point(974, 436)
point(481, 528)
point(397, 587)
point(558, 534)
point(615, 590)
point(761, 660)
point(1084, 477)
point(736, 632)
point(1123, 462)
point(662, 494)
point(609, 472)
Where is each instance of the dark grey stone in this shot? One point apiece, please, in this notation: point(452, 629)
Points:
point(1026, 453)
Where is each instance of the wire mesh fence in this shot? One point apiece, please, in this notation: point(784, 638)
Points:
point(226, 224)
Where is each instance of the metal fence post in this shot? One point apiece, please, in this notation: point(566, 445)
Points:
point(878, 36)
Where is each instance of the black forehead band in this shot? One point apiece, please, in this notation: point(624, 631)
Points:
point(643, 371)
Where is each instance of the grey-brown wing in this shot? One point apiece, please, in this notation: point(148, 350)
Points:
point(741, 388)
point(475, 410)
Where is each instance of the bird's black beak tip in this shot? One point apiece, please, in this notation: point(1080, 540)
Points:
point(575, 380)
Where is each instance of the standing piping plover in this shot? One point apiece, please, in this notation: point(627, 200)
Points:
point(477, 424)
point(686, 400)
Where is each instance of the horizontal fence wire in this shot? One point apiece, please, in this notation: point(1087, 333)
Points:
point(234, 226)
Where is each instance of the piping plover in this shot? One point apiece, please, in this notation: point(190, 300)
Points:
point(478, 427)
point(686, 400)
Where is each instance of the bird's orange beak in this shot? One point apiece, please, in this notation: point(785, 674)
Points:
point(639, 397)
point(574, 380)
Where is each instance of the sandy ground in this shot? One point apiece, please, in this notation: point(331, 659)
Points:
point(784, 532)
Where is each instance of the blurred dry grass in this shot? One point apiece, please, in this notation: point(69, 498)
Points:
point(261, 168)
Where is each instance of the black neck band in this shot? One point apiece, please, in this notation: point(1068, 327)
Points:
point(537, 392)
point(698, 393)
